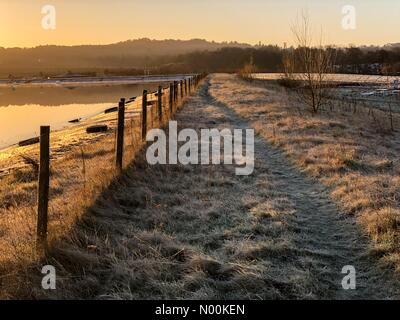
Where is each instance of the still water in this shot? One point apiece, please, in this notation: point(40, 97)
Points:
point(24, 109)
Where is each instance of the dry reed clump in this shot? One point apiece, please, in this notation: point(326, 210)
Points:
point(348, 151)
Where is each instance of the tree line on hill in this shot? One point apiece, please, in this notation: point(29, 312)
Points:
point(146, 56)
point(269, 59)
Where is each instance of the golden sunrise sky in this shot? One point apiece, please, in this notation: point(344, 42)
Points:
point(251, 21)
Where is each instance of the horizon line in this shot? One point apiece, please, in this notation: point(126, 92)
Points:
point(259, 44)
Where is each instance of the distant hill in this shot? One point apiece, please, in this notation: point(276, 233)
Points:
point(145, 56)
point(128, 54)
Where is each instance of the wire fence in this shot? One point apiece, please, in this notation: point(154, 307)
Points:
point(135, 116)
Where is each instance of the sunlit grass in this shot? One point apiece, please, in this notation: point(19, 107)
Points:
point(82, 166)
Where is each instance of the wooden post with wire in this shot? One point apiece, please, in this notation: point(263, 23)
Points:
point(159, 104)
point(144, 115)
point(186, 91)
point(171, 98)
point(175, 93)
point(181, 83)
point(43, 190)
point(120, 135)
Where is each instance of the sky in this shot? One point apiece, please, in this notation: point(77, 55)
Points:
point(251, 21)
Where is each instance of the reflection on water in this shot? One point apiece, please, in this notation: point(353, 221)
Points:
point(24, 109)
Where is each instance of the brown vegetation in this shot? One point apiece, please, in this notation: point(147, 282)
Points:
point(248, 70)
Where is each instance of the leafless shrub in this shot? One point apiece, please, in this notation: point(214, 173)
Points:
point(306, 67)
point(248, 70)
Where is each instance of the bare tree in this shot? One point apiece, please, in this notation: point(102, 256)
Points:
point(307, 65)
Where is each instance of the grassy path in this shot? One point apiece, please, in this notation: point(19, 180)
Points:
point(201, 232)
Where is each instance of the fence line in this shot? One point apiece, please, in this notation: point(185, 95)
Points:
point(154, 100)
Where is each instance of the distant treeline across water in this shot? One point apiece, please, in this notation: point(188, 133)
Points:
point(146, 56)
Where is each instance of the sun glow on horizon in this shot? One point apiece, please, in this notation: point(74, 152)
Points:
point(251, 21)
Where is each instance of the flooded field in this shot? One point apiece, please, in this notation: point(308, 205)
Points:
point(371, 91)
point(24, 109)
point(340, 78)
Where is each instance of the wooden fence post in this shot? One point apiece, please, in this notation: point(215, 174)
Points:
point(171, 98)
point(159, 96)
point(175, 93)
point(144, 115)
point(43, 189)
point(152, 109)
point(181, 89)
point(186, 88)
point(120, 135)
